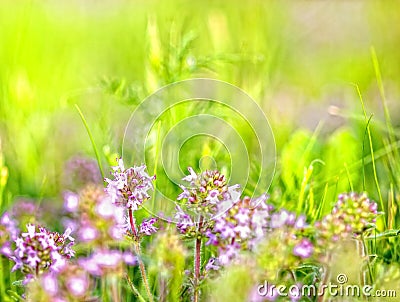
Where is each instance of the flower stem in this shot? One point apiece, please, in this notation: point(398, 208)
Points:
point(132, 222)
point(197, 262)
point(138, 254)
point(134, 289)
point(143, 272)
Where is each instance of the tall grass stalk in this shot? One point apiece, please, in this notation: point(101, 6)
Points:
point(372, 154)
point(96, 152)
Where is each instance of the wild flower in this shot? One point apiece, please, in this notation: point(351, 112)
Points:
point(93, 216)
point(206, 197)
point(239, 228)
point(106, 261)
point(129, 187)
point(284, 246)
point(8, 233)
point(128, 190)
point(304, 249)
point(24, 211)
point(147, 226)
point(79, 172)
point(352, 215)
point(39, 250)
point(71, 283)
point(207, 193)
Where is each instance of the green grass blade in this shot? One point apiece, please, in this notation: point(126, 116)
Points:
point(96, 152)
point(372, 155)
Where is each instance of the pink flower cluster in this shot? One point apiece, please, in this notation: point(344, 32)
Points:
point(105, 261)
point(207, 193)
point(40, 250)
point(129, 187)
point(8, 233)
point(352, 215)
point(93, 216)
point(71, 283)
point(239, 228)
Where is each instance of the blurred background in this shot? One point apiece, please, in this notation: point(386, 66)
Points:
point(300, 60)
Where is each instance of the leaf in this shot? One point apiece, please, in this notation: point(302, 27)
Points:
point(385, 234)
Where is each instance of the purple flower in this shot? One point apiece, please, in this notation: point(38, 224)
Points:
point(8, 227)
point(71, 201)
point(228, 231)
point(77, 285)
point(243, 231)
point(147, 226)
point(227, 253)
point(242, 217)
point(6, 249)
point(279, 219)
point(80, 171)
point(39, 250)
point(212, 238)
point(300, 222)
point(185, 222)
point(50, 284)
point(304, 249)
point(129, 187)
point(212, 264)
point(191, 177)
point(206, 192)
point(104, 261)
point(87, 233)
point(8, 232)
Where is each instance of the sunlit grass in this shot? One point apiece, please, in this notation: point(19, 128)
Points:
point(324, 74)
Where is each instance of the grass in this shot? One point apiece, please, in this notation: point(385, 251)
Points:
point(326, 76)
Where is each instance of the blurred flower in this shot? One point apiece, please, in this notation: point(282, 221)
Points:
point(71, 283)
point(81, 171)
point(25, 211)
point(93, 216)
point(8, 233)
point(304, 249)
point(71, 201)
point(106, 261)
point(39, 250)
point(239, 228)
point(129, 187)
point(352, 214)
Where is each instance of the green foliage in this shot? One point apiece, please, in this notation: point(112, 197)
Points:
point(106, 58)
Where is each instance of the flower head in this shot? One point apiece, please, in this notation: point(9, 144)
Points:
point(304, 248)
point(40, 250)
point(129, 187)
point(71, 283)
point(207, 193)
point(8, 233)
point(147, 226)
point(352, 215)
point(93, 215)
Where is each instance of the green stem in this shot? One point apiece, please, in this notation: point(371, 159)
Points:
point(372, 153)
point(134, 289)
point(197, 262)
point(143, 271)
point(138, 254)
point(96, 152)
